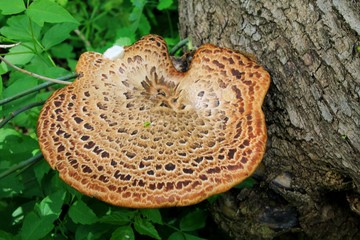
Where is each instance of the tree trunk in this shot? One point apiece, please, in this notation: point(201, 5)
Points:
point(310, 183)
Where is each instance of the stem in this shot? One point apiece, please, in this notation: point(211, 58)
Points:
point(37, 88)
point(179, 45)
point(21, 165)
point(83, 38)
point(17, 112)
point(32, 36)
point(9, 45)
point(33, 74)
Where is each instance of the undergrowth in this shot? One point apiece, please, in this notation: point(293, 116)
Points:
point(34, 202)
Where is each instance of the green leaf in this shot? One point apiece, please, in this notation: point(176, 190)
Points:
point(145, 227)
point(177, 236)
point(21, 82)
point(144, 25)
point(20, 55)
point(41, 11)
point(62, 2)
point(35, 227)
point(63, 51)
point(192, 237)
point(11, 7)
point(136, 14)
point(193, 220)
point(6, 236)
point(7, 133)
point(123, 233)
point(125, 36)
point(40, 170)
point(15, 147)
point(51, 205)
point(57, 34)
point(123, 41)
point(138, 3)
point(21, 29)
point(90, 232)
point(164, 4)
point(11, 186)
point(1, 84)
point(120, 217)
point(152, 214)
point(43, 68)
point(79, 212)
point(3, 68)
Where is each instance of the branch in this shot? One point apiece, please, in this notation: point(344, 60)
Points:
point(37, 88)
point(21, 165)
point(17, 112)
point(9, 45)
point(83, 38)
point(33, 74)
point(178, 46)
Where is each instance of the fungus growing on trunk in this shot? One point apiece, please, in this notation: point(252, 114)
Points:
point(135, 132)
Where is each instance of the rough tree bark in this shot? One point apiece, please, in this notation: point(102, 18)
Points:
point(310, 183)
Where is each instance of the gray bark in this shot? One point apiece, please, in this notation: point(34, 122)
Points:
point(310, 184)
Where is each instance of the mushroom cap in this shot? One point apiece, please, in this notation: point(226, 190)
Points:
point(135, 132)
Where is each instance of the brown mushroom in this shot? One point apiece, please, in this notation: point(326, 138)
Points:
point(135, 132)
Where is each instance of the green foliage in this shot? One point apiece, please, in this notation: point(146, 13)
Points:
point(11, 7)
point(123, 233)
point(35, 226)
point(164, 4)
point(145, 227)
point(79, 212)
point(42, 11)
point(247, 183)
point(193, 221)
point(34, 202)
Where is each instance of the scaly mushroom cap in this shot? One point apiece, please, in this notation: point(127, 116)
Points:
point(135, 132)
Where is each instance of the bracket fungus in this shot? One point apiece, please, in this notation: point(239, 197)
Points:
point(135, 132)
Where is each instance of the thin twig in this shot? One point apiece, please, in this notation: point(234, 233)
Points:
point(9, 45)
point(37, 88)
point(21, 165)
point(178, 46)
point(17, 112)
point(33, 74)
point(83, 38)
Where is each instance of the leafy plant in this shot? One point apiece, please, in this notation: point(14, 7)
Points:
point(34, 202)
